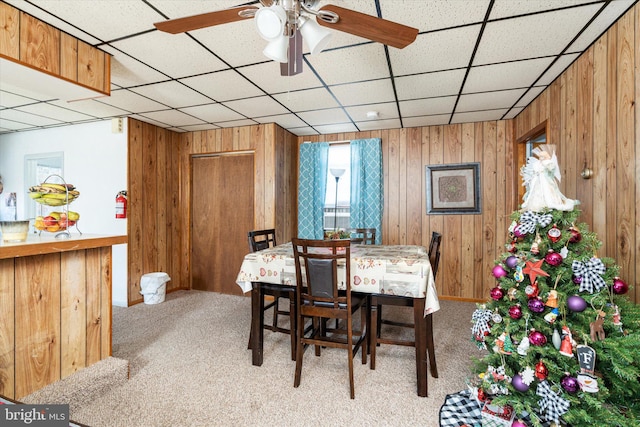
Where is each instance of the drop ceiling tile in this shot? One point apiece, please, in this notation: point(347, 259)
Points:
point(504, 40)
point(323, 117)
point(427, 107)
point(212, 113)
point(223, 85)
point(513, 113)
point(374, 91)
point(478, 116)
point(429, 85)
point(613, 10)
point(173, 94)
point(385, 111)
point(10, 125)
point(93, 108)
point(10, 100)
point(353, 64)
point(379, 124)
point(442, 50)
point(336, 128)
point(256, 107)
point(242, 44)
point(175, 55)
point(238, 123)
point(483, 101)
point(284, 120)
point(505, 76)
point(267, 76)
point(127, 71)
point(54, 112)
point(127, 100)
point(172, 118)
point(194, 128)
point(305, 100)
point(419, 121)
point(557, 68)
point(531, 95)
point(303, 131)
point(27, 118)
point(431, 15)
point(149, 120)
point(507, 8)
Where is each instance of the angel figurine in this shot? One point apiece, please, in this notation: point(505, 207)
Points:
point(541, 176)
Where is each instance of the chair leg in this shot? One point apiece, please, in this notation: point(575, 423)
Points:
point(292, 324)
point(350, 355)
point(431, 347)
point(299, 351)
point(373, 333)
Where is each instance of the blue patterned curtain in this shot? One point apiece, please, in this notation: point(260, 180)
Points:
point(366, 185)
point(312, 188)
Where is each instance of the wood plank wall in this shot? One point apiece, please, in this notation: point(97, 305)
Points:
point(159, 192)
point(594, 119)
point(471, 242)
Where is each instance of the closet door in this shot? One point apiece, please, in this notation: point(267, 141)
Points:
point(221, 215)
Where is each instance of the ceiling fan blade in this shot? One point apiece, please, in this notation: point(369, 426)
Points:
point(370, 27)
point(195, 22)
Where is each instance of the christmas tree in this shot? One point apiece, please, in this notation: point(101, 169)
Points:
point(562, 338)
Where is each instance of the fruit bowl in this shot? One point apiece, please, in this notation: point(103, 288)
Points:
point(14, 231)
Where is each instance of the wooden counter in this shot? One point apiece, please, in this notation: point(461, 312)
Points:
point(55, 308)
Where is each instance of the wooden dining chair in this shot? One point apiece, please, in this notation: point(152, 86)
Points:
point(319, 298)
point(363, 236)
point(380, 300)
point(263, 239)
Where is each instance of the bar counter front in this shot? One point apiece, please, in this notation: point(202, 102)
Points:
point(55, 308)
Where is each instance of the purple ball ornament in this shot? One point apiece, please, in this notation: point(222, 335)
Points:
point(515, 312)
point(518, 423)
point(537, 338)
point(511, 262)
point(569, 383)
point(498, 271)
point(517, 233)
point(553, 258)
point(576, 303)
point(518, 384)
point(577, 279)
point(619, 287)
point(536, 305)
point(497, 293)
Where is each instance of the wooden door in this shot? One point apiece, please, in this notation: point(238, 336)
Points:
point(221, 216)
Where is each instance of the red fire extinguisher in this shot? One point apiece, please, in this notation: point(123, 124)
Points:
point(121, 204)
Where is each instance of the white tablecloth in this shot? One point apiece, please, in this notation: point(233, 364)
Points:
point(402, 270)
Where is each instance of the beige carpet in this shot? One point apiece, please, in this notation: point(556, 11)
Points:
point(189, 366)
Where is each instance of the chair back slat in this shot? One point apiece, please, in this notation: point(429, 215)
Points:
point(261, 239)
point(434, 252)
point(363, 236)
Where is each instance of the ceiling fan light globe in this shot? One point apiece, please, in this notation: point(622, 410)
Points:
point(278, 49)
point(316, 37)
point(270, 22)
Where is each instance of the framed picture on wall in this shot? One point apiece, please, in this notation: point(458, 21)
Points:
point(453, 189)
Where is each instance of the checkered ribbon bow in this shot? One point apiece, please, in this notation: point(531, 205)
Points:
point(591, 273)
point(529, 220)
point(480, 319)
point(552, 406)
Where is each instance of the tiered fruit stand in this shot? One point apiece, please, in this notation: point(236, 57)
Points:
point(55, 194)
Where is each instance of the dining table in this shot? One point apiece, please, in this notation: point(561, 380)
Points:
point(401, 270)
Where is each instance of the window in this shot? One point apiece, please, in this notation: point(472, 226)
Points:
point(337, 199)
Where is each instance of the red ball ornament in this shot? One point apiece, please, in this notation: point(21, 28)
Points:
point(498, 271)
point(517, 233)
point(511, 247)
point(554, 233)
point(531, 290)
point(515, 312)
point(619, 287)
point(482, 396)
point(537, 338)
point(497, 293)
point(576, 236)
point(553, 258)
point(541, 371)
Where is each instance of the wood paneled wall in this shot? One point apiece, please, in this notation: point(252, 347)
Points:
point(471, 242)
point(159, 192)
point(38, 45)
point(594, 119)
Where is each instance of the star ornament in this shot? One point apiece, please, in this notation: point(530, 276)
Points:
point(534, 269)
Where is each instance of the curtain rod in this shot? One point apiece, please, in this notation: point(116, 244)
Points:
point(345, 141)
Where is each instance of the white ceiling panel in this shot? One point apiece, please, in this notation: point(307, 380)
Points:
point(218, 76)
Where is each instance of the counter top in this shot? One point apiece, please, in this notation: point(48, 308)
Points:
point(47, 244)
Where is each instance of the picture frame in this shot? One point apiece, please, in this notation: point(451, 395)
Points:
point(453, 189)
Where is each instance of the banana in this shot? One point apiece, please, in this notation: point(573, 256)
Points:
point(61, 196)
point(35, 195)
point(56, 187)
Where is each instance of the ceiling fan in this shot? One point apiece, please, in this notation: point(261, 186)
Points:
point(284, 24)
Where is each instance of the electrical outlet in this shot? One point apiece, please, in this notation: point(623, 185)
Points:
point(117, 125)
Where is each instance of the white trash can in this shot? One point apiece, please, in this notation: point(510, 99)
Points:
point(153, 286)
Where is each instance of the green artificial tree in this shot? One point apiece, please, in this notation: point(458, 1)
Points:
point(562, 338)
